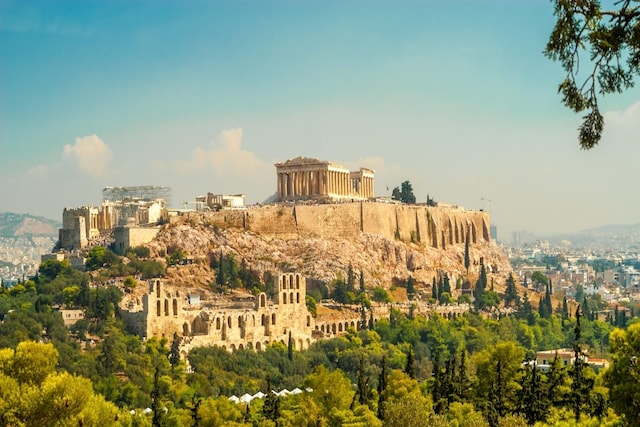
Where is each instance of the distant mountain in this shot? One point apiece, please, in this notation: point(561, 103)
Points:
point(16, 225)
point(612, 237)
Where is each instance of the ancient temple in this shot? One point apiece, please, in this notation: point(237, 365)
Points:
point(304, 178)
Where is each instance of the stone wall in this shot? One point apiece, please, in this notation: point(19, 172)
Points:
point(429, 226)
point(130, 237)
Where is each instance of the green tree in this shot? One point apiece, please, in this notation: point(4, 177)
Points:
point(623, 376)
point(511, 293)
point(479, 289)
point(174, 354)
point(411, 291)
point(381, 295)
point(467, 259)
point(404, 193)
point(610, 38)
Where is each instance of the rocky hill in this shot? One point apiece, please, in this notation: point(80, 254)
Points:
point(18, 225)
point(383, 260)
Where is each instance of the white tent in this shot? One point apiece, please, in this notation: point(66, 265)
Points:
point(234, 399)
point(246, 398)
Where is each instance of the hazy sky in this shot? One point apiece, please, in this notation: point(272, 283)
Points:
point(205, 96)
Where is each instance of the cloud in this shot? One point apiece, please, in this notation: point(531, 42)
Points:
point(91, 154)
point(223, 157)
point(629, 118)
point(38, 170)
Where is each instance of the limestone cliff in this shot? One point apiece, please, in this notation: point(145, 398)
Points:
point(385, 242)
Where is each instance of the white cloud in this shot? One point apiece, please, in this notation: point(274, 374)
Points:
point(38, 170)
point(91, 154)
point(223, 157)
point(629, 118)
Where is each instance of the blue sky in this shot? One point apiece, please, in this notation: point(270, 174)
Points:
point(454, 96)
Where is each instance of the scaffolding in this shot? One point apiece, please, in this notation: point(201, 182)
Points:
point(143, 193)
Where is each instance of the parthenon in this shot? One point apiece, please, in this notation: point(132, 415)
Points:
point(304, 178)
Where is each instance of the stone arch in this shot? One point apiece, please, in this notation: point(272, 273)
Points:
point(175, 307)
point(353, 324)
point(291, 297)
point(224, 347)
point(273, 319)
point(263, 320)
point(241, 326)
point(199, 327)
point(298, 297)
point(218, 323)
point(263, 300)
point(321, 328)
point(300, 344)
point(258, 346)
point(297, 281)
point(240, 347)
point(159, 308)
point(250, 345)
point(232, 348)
point(284, 297)
point(346, 326)
point(166, 307)
point(185, 329)
point(291, 281)
point(229, 321)
point(339, 327)
point(158, 288)
point(333, 328)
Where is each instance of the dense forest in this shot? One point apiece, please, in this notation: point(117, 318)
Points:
point(473, 370)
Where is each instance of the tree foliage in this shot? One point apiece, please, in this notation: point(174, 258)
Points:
point(610, 38)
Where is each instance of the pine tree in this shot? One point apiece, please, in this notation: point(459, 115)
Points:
point(220, 273)
point(290, 348)
point(533, 401)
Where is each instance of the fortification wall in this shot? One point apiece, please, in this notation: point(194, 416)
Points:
point(430, 226)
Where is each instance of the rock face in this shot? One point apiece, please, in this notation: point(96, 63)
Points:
point(387, 243)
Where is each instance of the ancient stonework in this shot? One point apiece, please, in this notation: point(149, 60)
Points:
point(304, 178)
point(241, 322)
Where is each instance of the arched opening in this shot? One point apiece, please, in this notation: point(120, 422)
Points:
point(339, 327)
point(263, 300)
point(321, 328)
point(284, 297)
point(166, 307)
point(250, 346)
point(263, 320)
point(298, 297)
point(291, 281)
point(300, 345)
point(353, 325)
point(233, 348)
point(333, 328)
point(291, 297)
point(229, 322)
point(308, 321)
point(175, 307)
point(258, 346)
point(158, 307)
point(273, 319)
point(240, 347)
point(218, 323)
point(297, 281)
point(185, 329)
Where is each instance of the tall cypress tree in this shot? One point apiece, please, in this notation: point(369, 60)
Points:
point(382, 387)
point(434, 289)
point(511, 293)
point(361, 281)
point(565, 309)
point(479, 290)
point(579, 397)
point(467, 260)
point(409, 367)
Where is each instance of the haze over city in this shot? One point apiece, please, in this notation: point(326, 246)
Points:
point(455, 97)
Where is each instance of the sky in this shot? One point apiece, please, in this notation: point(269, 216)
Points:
point(205, 96)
